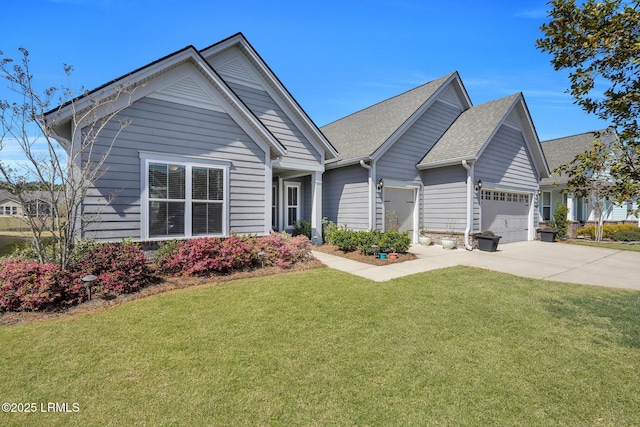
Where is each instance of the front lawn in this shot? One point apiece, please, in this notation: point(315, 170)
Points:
point(457, 346)
point(620, 246)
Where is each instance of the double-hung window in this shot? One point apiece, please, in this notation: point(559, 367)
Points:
point(293, 203)
point(546, 205)
point(184, 198)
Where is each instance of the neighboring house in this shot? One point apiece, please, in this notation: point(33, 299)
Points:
point(553, 190)
point(37, 204)
point(9, 204)
point(429, 159)
point(215, 145)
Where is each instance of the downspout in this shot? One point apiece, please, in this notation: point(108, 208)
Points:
point(467, 230)
point(371, 197)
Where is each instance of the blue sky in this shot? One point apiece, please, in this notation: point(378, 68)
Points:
point(335, 57)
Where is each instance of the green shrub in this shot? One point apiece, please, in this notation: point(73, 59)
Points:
point(366, 240)
point(395, 240)
point(328, 228)
point(628, 233)
point(560, 222)
point(618, 232)
point(350, 240)
point(166, 250)
point(302, 228)
point(344, 239)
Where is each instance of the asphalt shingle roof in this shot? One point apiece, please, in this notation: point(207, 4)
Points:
point(563, 150)
point(470, 132)
point(360, 134)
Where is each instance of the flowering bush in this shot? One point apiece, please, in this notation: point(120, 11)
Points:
point(211, 256)
point(282, 250)
point(27, 285)
point(120, 267)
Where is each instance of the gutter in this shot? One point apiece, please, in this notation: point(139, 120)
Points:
point(467, 230)
point(371, 197)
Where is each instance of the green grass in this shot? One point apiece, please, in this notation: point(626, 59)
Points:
point(609, 245)
point(9, 243)
point(457, 346)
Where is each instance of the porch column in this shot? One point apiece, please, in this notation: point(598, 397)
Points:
point(316, 208)
point(571, 215)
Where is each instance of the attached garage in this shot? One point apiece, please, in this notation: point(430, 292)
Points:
point(399, 208)
point(506, 214)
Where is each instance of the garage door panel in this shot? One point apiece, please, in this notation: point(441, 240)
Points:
point(506, 214)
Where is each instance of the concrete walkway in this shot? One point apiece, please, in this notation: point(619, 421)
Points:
point(549, 261)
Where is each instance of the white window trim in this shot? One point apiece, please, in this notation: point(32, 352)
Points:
point(287, 185)
point(543, 205)
point(189, 163)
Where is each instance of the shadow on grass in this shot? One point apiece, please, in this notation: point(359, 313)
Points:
point(618, 315)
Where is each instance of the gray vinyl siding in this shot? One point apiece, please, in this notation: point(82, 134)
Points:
point(399, 162)
point(170, 128)
point(506, 162)
point(444, 198)
point(280, 125)
point(345, 197)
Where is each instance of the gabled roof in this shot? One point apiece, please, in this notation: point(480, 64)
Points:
point(361, 134)
point(469, 133)
point(6, 196)
point(62, 115)
point(472, 131)
point(560, 151)
point(274, 82)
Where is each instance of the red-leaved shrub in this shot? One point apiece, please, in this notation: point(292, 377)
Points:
point(213, 256)
point(27, 285)
point(121, 268)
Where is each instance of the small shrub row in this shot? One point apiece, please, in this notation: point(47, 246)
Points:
point(350, 240)
point(28, 285)
point(214, 256)
point(617, 232)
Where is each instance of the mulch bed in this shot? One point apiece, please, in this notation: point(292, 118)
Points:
point(358, 256)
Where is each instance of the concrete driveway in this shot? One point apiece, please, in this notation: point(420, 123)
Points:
point(539, 260)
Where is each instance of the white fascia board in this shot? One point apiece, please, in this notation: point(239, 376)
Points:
point(300, 118)
point(301, 166)
point(342, 163)
point(449, 162)
point(144, 78)
point(380, 151)
point(128, 80)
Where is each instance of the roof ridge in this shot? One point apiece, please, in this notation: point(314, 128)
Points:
point(593, 132)
point(387, 100)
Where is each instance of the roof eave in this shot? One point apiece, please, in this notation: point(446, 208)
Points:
point(449, 162)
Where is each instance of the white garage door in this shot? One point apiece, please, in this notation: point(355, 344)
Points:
point(399, 204)
point(506, 214)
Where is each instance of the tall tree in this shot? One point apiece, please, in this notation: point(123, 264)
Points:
point(63, 169)
point(598, 43)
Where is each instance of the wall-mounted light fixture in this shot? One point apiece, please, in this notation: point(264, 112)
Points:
point(479, 185)
point(380, 184)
